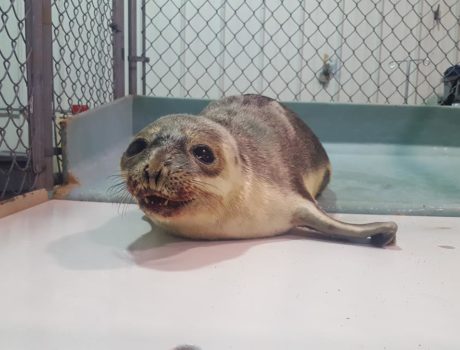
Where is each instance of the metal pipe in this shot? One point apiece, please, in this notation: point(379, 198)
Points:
point(222, 47)
point(132, 47)
point(40, 91)
point(406, 88)
point(144, 61)
point(183, 49)
point(408, 61)
point(118, 31)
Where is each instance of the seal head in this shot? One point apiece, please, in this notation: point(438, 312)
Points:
point(183, 169)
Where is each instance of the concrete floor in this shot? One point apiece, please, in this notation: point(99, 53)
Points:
point(80, 275)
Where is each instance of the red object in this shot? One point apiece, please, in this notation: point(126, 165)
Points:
point(79, 108)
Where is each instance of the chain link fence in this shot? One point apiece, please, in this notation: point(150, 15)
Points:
point(82, 59)
point(82, 53)
point(16, 171)
point(78, 36)
point(373, 51)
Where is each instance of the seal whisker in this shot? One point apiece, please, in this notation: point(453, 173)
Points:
point(117, 176)
point(116, 191)
point(117, 188)
point(123, 201)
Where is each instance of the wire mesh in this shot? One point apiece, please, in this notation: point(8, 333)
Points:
point(16, 171)
point(82, 57)
point(374, 51)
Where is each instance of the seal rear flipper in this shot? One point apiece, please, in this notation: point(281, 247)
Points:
point(378, 233)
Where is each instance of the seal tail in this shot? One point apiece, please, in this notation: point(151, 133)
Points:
point(377, 233)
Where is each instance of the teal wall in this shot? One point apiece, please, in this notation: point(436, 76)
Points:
point(340, 123)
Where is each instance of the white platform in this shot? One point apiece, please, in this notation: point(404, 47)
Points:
point(77, 275)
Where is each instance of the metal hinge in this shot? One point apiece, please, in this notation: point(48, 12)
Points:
point(139, 59)
point(57, 151)
point(114, 27)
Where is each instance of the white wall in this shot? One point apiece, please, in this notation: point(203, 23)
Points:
point(274, 47)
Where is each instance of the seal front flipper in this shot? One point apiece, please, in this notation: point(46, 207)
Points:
point(310, 215)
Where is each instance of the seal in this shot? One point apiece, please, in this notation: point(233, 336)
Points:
point(245, 167)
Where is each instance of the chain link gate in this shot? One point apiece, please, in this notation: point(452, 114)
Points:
point(57, 57)
point(14, 106)
point(25, 124)
point(374, 51)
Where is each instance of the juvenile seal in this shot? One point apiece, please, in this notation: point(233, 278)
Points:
point(245, 167)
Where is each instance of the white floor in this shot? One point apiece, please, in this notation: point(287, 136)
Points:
point(77, 275)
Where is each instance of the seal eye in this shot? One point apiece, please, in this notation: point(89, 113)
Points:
point(136, 147)
point(204, 154)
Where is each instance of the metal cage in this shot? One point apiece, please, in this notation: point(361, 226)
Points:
point(60, 57)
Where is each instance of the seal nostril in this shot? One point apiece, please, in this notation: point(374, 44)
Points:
point(146, 173)
point(158, 176)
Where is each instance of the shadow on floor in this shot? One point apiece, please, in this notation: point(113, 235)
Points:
point(129, 240)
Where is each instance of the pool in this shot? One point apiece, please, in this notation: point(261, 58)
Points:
point(401, 160)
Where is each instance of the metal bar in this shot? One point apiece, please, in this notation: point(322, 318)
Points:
point(132, 47)
point(12, 109)
point(262, 46)
point(143, 54)
point(40, 77)
point(118, 32)
point(419, 47)
point(183, 49)
point(406, 86)
point(457, 52)
point(339, 55)
point(300, 58)
point(222, 45)
point(379, 33)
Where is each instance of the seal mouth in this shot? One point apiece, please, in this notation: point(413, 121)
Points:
point(162, 205)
